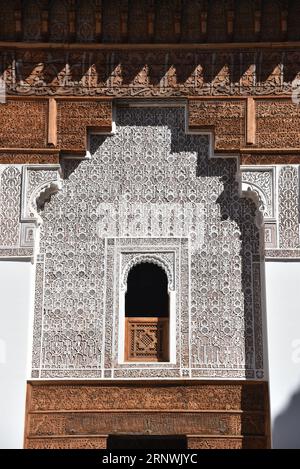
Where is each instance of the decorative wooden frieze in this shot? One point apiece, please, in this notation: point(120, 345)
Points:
point(236, 413)
point(150, 73)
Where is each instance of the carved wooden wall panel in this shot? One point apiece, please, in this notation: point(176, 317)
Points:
point(69, 443)
point(109, 396)
point(225, 118)
point(277, 124)
point(236, 414)
point(75, 118)
point(227, 443)
point(23, 124)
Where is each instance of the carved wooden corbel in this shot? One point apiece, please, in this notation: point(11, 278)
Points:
point(203, 20)
point(45, 24)
point(124, 21)
point(284, 19)
point(257, 18)
point(151, 20)
point(72, 21)
point(18, 21)
point(177, 20)
point(98, 21)
point(230, 19)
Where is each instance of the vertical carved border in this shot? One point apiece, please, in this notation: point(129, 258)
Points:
point(258, 325)
point(184, 312)
point(142, 246)
point(288, 200)
point(38, 317)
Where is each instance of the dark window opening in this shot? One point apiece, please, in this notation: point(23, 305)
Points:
point(147, 292)
point(147, 314)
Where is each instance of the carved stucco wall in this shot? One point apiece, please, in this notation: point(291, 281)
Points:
point(149, 189)
point(277, 188)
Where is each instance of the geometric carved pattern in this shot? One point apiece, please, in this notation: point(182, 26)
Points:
point(261, 182)
point(22, 191)
point(147, 338)
point(288, 184)
point(150, 160)
point(280, 215)
point(10, 194)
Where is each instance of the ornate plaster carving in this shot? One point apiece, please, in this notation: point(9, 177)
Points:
point(23, 191)
point(150, 160)
point(152, 258)
point(288, 200)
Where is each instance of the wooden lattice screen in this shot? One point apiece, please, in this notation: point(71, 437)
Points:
point(147, 339)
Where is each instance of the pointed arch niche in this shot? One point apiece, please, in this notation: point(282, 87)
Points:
point(147, 313)
point(147, 326)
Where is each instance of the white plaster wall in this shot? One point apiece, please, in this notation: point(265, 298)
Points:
point(15, 304)
point(283, 323)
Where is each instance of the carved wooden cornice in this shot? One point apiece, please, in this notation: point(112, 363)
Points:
point(184, 21)
point(241, 91)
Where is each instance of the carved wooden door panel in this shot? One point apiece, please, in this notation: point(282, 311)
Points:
point(147, 339)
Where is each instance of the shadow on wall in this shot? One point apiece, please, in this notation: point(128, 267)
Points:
point(286, 428)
